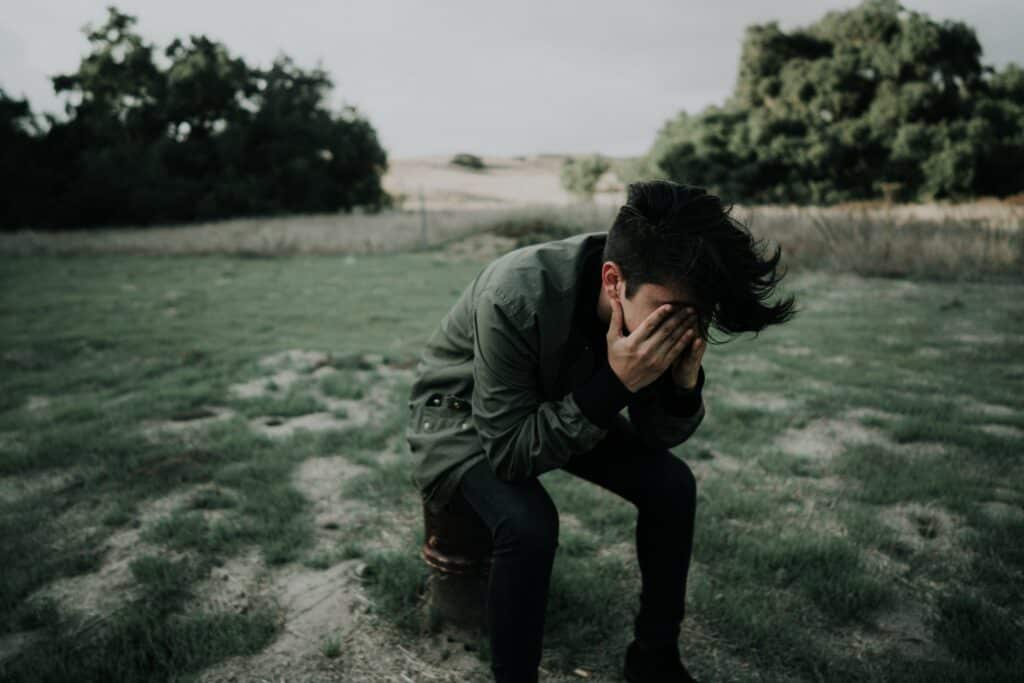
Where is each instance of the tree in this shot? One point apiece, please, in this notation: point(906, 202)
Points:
point(197, 135)
point(864, 100)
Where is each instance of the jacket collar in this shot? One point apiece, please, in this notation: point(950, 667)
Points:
point(589, 286)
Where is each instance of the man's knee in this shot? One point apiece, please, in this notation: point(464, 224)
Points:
point(674, 487)
point(687, 481)
point(533, 528)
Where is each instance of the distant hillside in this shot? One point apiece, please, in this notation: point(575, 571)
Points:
point(504, 181)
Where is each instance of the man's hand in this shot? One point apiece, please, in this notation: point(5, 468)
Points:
point(643, 356)
point(686, 366)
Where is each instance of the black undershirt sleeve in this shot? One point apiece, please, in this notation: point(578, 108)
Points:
point(603, 395)
point(681, 402)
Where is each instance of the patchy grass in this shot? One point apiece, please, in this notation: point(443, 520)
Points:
point(859, 474)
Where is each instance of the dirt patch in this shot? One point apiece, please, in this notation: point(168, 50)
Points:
point(260, 386)
point(1002, 431)
point(14, 643)
point(1006, 494)
point(376, 652)
point(907, 626)
point(891, 339)
point(624, 552)
point(572, 523)
point(568, 520)
point(321, 480)
point(923, 448)
point(300, 359)
point(1002, 512)
point(991, 409)
point(825, 438)
point(236, 586)
point(712, 462)
point(724, 462)
point(810, 385)
point(831, 485)
point(18, 486)
point(903, 626)
point(35, 404)
point(189, 423)
point(276, 427)
point(378, 378)
point(969, 338)
point(748, 364)
point(927, 529)
point(318, 607)
point(288, 366)
point(96, 594)
point(811, 512)
point(756, 400)
point(875, 413)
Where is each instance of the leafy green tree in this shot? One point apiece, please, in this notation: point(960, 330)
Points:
point(190, 133)
point(865, 99)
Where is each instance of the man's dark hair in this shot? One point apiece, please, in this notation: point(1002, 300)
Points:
point(668, 233)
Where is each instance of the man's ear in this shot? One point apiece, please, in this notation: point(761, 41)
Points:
point(611, 280)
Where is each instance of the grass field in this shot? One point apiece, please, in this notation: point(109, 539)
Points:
point(203, 477)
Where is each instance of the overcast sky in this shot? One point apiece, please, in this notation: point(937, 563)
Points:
point(446, 76)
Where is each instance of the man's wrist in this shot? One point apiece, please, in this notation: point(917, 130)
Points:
point(683, 402)
point(683, 390)
point(684, 387)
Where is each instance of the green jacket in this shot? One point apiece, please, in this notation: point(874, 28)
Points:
point(495, 380)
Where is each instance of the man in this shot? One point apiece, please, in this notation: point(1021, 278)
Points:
point(530, 370)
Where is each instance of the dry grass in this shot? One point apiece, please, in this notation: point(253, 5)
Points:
point(987, 211)
point(445, 205)
point(354, 233)
point(935, 241)
point(897, 241)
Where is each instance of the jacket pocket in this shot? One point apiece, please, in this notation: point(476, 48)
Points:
point(444, 412)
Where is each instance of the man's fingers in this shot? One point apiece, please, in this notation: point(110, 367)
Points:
point(651, 323)
point(615, 324)
point(665, 337)
point(699, 345)
point(685, 339)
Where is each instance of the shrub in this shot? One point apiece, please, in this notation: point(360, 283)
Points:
point(467, 161)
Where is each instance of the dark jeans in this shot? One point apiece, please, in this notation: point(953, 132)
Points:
point(524, 523)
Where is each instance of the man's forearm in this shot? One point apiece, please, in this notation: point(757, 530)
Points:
point(603, 395)
point(678, 401)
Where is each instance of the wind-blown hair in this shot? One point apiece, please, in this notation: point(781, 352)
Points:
point(669, 234)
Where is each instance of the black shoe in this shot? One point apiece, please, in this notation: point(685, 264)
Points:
point(661, 665)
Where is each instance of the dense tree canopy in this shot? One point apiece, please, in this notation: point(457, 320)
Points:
point(201, 135)
point(876, 100)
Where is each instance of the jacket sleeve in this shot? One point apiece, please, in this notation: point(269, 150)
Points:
point(666, 416)
point(522, 434)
